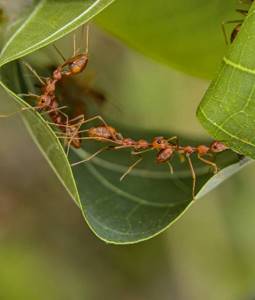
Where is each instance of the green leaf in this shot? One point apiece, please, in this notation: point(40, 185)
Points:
point(183, 34)
point(49, 21)
point(150, 199)
point(227, 110)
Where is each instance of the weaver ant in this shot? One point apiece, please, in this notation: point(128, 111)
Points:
point(165, 149)
point(238, 23)
point(48, 102)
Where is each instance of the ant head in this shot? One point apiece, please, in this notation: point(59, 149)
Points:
point(217, 147)
point(159, 142)
point(44, 101)
point(78, 63)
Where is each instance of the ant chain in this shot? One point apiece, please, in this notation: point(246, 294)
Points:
point(165, 148)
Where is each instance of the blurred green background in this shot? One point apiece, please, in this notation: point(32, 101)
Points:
point(47, 250)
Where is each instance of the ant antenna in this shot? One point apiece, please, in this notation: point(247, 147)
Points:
point(59, 52)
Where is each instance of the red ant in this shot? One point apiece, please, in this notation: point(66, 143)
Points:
point(47, 101)
point(238, 23)
point(165, 148)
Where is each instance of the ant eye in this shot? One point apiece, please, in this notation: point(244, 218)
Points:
point(159, 142)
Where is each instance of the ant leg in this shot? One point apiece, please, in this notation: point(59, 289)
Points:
point(100, 139)
point(140, 152)
point(33, 72)
point(243, 12)
point(87, 39)
point(122, 147)
point(193, 174)
point(223, 28)
point(19, 111)
point(92, 156)
point(170, 167)
point(210, 163)
point(131, 168)
point(74, 136)
point(173, 138)
point(176, 141)
point(16, 112)
point(59, 52)
point(74, 44)
point(70, 140)
point(80, 117)
point(55, 109)
point(95, 118)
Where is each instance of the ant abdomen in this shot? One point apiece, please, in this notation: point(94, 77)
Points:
point(105, 132)
point(76, 64)
point(164, 155)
